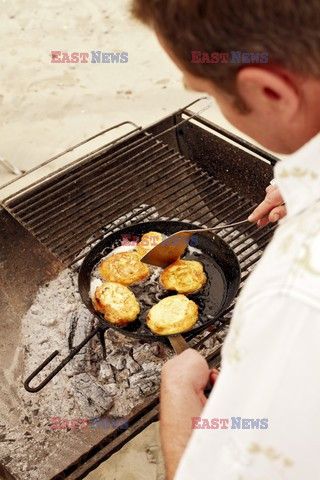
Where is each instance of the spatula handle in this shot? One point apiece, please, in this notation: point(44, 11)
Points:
point(211, 229)
point(178, 343)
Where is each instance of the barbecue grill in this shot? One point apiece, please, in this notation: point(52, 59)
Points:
point(183, 167)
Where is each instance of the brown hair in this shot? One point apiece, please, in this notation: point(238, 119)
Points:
point(288, 30)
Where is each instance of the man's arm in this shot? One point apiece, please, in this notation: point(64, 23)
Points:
point(183, 381)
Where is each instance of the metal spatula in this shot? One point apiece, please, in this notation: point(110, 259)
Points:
point(170, 249)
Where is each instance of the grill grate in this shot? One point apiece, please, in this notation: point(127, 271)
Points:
point(67, 213)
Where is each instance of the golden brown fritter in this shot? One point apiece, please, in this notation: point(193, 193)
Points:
point(184, 276)
point(124, 268)
point(148, 241)
point(117, 303)
point(172, 315)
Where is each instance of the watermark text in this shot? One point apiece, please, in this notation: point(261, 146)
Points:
point(229, 57)
point(234, 423)
point(58, 423)
point(89, 57)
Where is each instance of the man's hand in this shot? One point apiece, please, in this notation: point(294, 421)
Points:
point(189, 370)
point(183, 381)
point(270, 210)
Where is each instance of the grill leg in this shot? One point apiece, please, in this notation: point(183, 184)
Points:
point(103, 343)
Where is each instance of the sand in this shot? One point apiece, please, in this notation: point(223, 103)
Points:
point(48, 107)
point(142, 454)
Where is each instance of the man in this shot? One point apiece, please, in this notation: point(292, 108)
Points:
point(261, 420)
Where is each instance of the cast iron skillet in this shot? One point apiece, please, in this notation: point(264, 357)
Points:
point(220, 263)
point(223, 278)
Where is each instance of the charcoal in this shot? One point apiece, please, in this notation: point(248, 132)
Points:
point(118, 361)
point(148, 388)
point(106, 372)
point(143, 377)
point(92, 399)
point(111, 389)
point(146, 353)
point(79, 324)
point(122, 377)
point(132, 366)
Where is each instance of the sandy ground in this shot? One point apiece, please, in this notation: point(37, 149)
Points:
point(48, 107)
point(142, 454)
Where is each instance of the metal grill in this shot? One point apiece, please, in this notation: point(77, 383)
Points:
point(69, 212)
point(181, 168)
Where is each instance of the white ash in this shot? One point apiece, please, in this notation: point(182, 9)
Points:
point(59, 320)
point(87, 387)
point(93, 399)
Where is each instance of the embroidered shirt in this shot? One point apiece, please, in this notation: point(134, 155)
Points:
point(271, 357)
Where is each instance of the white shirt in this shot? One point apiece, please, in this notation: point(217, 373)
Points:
point(271, 357)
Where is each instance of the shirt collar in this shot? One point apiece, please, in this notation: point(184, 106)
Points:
point(298, 177)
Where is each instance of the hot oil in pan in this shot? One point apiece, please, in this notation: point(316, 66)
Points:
point(149, 292)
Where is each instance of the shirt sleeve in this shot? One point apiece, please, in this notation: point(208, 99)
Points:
point(270, 373)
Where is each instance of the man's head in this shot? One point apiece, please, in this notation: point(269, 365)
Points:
point(277, 103)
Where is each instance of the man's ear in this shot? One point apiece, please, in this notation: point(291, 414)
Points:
point(269, 92)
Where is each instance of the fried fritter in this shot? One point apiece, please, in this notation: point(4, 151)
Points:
point(117, 303)
point(171, 315)
point(184, 276)
point(124, 268)
point(148, 241)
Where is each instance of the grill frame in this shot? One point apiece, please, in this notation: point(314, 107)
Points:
point(22, 205)
point(195, 139)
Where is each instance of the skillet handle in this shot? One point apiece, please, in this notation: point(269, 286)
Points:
point(178, 343)
point(54, 372)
